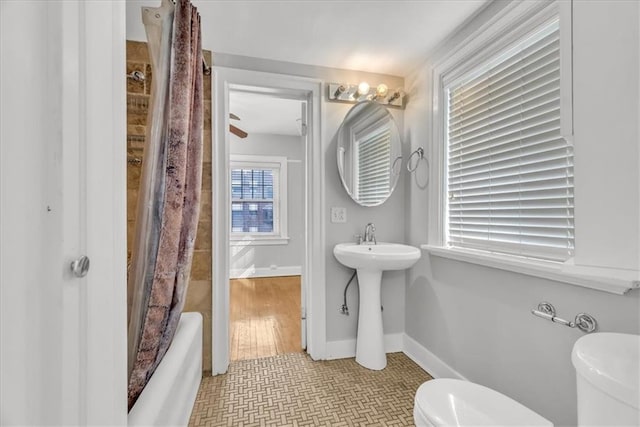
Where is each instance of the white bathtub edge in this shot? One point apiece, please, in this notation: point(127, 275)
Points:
point(168, 398)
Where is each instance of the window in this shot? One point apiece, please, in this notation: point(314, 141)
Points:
point(258, 198)
point(509, 171)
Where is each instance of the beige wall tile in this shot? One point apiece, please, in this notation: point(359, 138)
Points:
point(201, 266)
point(206, 149)
point(133, 175)
point(206, 341)
point(206, 177)
point(138, 130)
point(148, 78)
point(134, 118)
point(207, 114)
point(203, 238)
point(199, 296)
point(132, 202)
point(137, 51)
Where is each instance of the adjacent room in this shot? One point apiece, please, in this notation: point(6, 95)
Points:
point(320, 213)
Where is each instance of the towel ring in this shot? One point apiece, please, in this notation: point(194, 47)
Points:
point(420, 153)
point(393, 166)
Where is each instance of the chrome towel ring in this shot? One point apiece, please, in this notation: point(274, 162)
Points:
point(419, 152)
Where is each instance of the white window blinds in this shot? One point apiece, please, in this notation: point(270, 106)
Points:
point(373, 162)
point(510, 172)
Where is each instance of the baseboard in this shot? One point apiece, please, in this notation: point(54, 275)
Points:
point(427, 360)
point(242, 273)
point(345, 349)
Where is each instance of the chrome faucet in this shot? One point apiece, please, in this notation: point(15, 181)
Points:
point(370, 234)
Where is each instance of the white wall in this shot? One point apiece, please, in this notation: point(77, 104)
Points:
point(247, 257)
point(388, 217)
point(477, 319)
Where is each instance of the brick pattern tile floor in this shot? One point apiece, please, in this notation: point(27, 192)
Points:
point(293, 390)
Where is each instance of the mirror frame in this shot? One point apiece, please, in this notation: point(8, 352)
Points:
point(346, 132)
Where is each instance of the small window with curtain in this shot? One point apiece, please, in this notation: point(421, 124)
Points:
point(258, 197)
point(509, 170)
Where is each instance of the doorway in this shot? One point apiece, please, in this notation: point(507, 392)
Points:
point(312, 266)
point(267, 144)
point(264, 317)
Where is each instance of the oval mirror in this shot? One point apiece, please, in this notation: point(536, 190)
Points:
point(369, 153)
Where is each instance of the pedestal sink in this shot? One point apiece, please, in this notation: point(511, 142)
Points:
point(370, 260)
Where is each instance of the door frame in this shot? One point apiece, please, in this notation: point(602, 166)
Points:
point(313, 265)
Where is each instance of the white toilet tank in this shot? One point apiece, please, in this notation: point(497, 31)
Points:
point(608, 379)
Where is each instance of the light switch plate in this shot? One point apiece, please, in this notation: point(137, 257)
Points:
point(338, 214)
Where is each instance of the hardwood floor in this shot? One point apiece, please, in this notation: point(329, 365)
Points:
point(264, 317)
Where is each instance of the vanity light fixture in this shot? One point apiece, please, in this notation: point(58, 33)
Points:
point(398, 94)
point(341, 89)
point(381, 91)
point(352, 93)
point(363, 90)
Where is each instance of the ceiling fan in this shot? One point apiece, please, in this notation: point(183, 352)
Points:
point(236, 130)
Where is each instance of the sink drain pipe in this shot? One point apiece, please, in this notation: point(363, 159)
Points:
point(345, 309)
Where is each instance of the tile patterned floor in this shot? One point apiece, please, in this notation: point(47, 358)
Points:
point(293, 390)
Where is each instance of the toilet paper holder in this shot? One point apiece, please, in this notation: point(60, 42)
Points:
point(583, 321)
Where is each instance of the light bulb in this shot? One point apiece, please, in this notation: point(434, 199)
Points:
point(363, 88)
point(382, 90)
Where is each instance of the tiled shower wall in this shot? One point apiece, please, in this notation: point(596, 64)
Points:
point(138, 94)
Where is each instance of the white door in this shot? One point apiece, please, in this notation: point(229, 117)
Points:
point(63, 337)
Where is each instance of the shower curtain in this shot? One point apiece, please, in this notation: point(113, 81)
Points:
point(169, 195)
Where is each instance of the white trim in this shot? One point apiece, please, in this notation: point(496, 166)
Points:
point(428, 361)
point(241, 273)
point(102, 31)
point(254, 240)
point(615, 281)
point(313, 267)
point(344, 349)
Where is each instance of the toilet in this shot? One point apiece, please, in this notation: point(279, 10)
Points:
point(452, 402)
point(607, 380)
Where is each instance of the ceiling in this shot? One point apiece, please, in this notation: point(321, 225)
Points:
point(385, 37)
point(265, 114)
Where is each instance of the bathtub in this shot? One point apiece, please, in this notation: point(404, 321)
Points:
point(168, 398)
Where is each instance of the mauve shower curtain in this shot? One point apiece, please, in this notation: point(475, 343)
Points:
point(169, 198)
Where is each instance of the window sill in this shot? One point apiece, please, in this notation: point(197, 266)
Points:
point(615, 281)
point(258, 240)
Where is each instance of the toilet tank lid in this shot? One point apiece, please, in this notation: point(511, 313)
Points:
point(611, 363)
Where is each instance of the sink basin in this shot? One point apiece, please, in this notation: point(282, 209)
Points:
point(370, 261)
point(383, 256)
